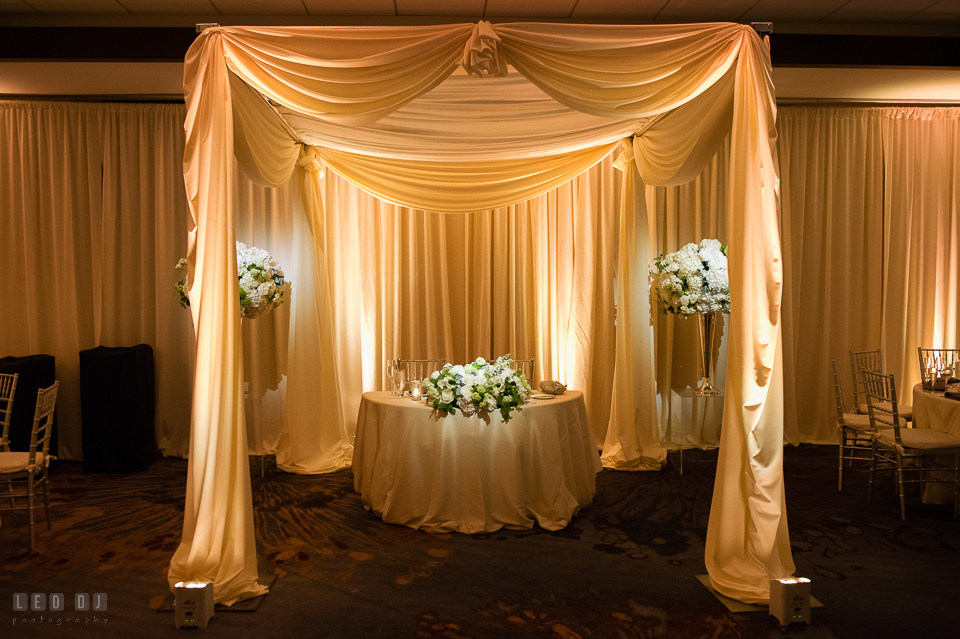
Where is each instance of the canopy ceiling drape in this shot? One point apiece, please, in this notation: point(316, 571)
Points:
point(360, 102)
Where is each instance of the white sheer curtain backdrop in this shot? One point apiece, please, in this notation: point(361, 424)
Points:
point(871, 238)
point(455, 286)
point(832, 207)
point(833, 166)
point(921, 202)
point(534, 280)
point(92, 219)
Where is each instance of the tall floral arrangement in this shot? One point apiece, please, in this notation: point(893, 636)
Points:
point(479, 386)
point(693, 280)
point(260, 281)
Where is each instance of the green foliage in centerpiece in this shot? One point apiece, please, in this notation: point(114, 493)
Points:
point(480, 386)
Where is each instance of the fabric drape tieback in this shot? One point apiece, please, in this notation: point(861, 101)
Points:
point(481, 55)
point(622, 163)
point(309, 161)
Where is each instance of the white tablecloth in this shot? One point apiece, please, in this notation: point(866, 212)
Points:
point(441, 472)
point(933, 410)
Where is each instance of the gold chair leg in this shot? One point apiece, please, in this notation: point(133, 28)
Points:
point(840, 481)
point(46, 501)
point(903, 499)
point(30, 509)
point(873, 470)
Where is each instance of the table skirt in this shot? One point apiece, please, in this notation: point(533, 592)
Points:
point(474, 474)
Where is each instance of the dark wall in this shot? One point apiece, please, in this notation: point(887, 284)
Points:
point(171, 43)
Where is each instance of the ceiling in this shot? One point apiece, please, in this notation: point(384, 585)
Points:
point(875, 12)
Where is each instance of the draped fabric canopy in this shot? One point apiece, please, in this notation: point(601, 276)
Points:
point(360, 102)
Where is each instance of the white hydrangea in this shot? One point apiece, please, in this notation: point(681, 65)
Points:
point(260, 281)
point(692, 280)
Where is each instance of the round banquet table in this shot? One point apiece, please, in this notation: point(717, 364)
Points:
point(931, 409)
point(479, 473)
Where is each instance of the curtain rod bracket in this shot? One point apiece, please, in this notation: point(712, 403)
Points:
point(203, 26)
point(762, 28)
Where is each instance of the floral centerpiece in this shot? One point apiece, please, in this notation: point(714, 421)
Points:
point(260, 281)
point(480, 386)
point(693, 280)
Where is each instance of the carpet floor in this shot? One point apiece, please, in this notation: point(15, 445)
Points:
point(626, 567)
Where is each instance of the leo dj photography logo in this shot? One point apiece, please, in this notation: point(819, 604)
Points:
point(27, 605)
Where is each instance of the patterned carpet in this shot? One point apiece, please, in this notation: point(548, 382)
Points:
point(624, 568)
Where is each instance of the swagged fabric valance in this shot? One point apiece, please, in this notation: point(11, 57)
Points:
point(399, 112)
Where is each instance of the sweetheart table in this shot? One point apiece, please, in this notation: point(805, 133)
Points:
point(479, 473)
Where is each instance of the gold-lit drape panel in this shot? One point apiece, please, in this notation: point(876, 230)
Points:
point(870, 232)
point(575, 259)
point(92, 219)
point(144, 217)
point(921, 250)
point(493, 282)
point(50, 224)
point(832, 226)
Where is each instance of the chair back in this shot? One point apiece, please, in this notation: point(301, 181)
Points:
point(861, 361)
point(525, 366)
point(43, 423)
point(419, 369)
point(8, 388)
point(937, 361)
point(838, 391)
point(881, 392)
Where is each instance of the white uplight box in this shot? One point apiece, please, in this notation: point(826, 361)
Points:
point(790, 600)
point(193, 603)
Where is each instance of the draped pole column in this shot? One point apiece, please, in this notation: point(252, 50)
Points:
point(218, 543)
point(747, 539)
